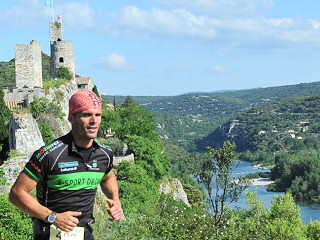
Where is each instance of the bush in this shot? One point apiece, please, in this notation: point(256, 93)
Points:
point(63, 72)
point(43, 105)
point(45, 130)
point(54, 83)
point(14, 224)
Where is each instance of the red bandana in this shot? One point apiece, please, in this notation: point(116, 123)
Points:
point(83, 100)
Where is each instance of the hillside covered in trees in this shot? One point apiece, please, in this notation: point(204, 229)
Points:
point(185, 119)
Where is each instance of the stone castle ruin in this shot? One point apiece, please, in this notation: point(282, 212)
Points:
point(28, 68)
point(61, 51)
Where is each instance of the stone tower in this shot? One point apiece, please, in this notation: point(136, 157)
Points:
point(61, 51)
point(28, 65)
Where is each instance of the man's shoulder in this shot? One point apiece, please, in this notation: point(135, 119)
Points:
point(49, 148)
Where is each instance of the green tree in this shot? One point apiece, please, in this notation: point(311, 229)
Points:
point(214, 171)
point(110, 121)
point(5, 119)
point(135, 120)
point(149, 155)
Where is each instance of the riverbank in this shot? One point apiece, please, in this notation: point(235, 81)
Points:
point(261, 181)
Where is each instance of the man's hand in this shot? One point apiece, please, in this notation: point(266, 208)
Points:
point(115, 211)
point(67, 221)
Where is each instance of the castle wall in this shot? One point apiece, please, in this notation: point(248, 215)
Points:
point(21, 96)
point(28, 65)
point(62, 56)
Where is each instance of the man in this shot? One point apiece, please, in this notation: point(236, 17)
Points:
point(66, 173)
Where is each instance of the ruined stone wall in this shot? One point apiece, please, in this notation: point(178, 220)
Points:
point(28, 65)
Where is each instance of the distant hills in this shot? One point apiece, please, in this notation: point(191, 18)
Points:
point(286, 125)
point(189, 120)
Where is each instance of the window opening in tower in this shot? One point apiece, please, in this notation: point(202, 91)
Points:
point(61, 59)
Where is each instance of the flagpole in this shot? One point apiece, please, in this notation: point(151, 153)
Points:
point(52, 12)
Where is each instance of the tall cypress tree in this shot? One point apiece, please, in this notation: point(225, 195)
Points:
point(4, 126)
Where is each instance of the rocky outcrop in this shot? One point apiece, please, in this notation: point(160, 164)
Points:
point(25, 136)
point(61, 96)
point(129, 158)
point(58, 126)
point(174, 188)
point(12, 167)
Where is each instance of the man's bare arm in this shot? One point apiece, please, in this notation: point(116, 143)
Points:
point(20, 197)
point(110, 189)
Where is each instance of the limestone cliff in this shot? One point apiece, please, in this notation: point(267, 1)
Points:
point(174, 188)
point(25, 136)
point(61, 95)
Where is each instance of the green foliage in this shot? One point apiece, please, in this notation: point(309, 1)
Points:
point(187, 119)
point(135, 120)
point(5, 119)
point(299, 175)
point(110, 121)
point(281, 221)
point(14, 224)
point(138, 190)
point(58, 96)
point(95, 90)
point(114, 143)
point(7, 73)
point(13, 153)
point(45, 130)
point(196, 197)
point(214, 171)
point(149, 155)
point(45, 66)
point(57, 24)
point(64, 73)
point(42, 105)
point(54, 83)
point(313, 230)
point(3, 181)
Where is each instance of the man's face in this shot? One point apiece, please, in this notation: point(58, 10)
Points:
point(85, 124)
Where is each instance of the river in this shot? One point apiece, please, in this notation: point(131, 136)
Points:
point(308, 211)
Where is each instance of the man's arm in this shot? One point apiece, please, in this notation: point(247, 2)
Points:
point(109, 187)
point(20, 197)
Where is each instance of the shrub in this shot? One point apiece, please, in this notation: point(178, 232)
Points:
point(45, 130)
point(63, 72)
point(14, 224)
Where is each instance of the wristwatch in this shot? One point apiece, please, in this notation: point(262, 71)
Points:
point(51, 218)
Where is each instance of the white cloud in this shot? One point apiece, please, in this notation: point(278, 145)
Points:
point(218, 68)
point(115, 61)
point(77, 15)
point(222, 8)
point(177, 22)
point(34, 13)
point(25, 13)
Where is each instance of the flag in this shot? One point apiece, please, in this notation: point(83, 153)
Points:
point(59, 17)
point(49, 3)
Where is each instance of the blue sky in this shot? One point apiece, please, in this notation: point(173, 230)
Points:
point(170, 47)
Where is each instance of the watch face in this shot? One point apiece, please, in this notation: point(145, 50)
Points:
point(52, 217)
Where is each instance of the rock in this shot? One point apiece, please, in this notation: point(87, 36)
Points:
point(12, 167)
point(129, 158)
point(61, 96)
point(174, 188)
point(25, 136)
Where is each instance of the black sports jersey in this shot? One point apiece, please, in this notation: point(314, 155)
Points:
point(66, 181)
